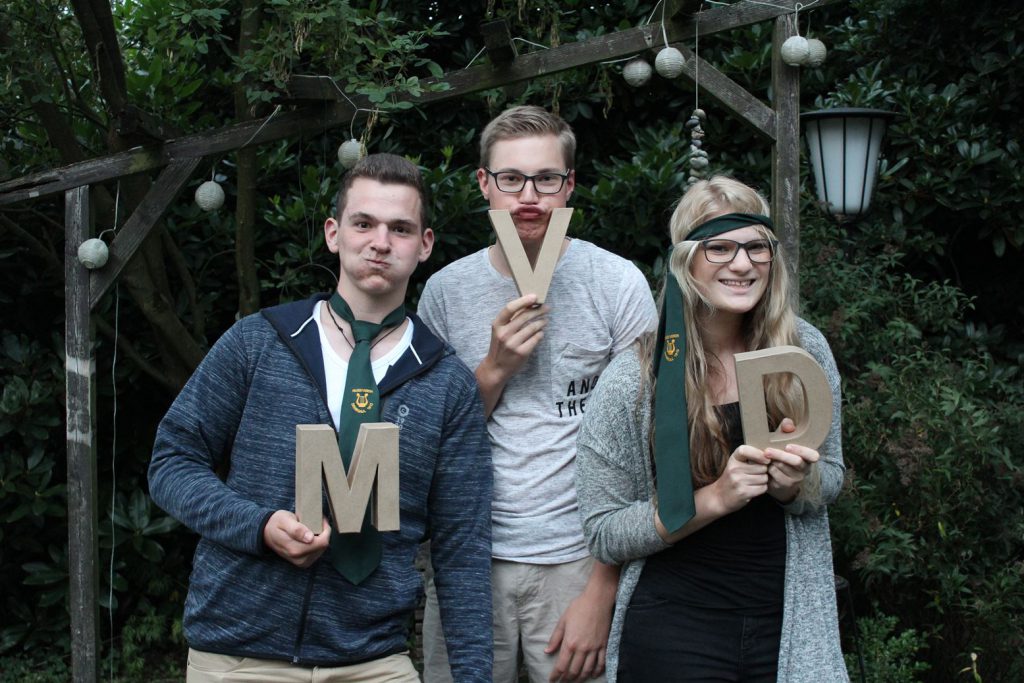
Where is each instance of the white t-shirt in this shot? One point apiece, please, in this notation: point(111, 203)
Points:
point(335, 368)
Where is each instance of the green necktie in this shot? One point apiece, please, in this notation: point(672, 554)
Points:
point(671, 429)
point(356, 556)
point(671, 422)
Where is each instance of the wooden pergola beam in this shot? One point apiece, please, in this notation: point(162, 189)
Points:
point(785, 195)
point(135, 230)
point(149, 157)
point(498, 42)
point(313, 118)
point(747, 108)
point(80, 389)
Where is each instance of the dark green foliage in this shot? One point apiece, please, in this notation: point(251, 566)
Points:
point(932, 521)
point(32, 495)
point(891, 656)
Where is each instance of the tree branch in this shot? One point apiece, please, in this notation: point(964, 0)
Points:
point(34, 245)
point(181, 267)
point(140, 361)
point(58, 128)
point(97, 22)
point(245, 206)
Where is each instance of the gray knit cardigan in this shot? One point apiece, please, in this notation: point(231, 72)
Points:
point(616, 486)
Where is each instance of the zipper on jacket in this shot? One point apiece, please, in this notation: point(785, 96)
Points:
point(300, 632)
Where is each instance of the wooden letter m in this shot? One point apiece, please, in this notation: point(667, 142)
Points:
point(374, 461)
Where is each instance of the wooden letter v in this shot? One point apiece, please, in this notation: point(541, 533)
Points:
point(531, 280)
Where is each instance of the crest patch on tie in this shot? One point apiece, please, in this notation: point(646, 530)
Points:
point(671, 350)
point(362, 402)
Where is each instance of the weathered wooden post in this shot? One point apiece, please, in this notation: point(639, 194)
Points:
point(786, 150)
point(81, 452)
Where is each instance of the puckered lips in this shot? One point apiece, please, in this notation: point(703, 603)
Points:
point(528, 213)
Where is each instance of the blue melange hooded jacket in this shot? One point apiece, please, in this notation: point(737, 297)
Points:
point(263, 377)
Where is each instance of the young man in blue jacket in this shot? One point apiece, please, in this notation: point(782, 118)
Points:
point(269, 596)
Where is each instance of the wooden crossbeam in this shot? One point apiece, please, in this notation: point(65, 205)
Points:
point(313, 118)
point(729, 93)
point(135, 230)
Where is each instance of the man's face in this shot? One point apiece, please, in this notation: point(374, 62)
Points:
point(530, 209)
point(378, 239)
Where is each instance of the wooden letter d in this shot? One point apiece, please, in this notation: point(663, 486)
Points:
point(751, 367)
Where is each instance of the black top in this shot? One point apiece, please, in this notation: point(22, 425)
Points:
point(736, 563)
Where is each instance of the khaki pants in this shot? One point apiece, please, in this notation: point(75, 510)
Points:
point(206, 667)
point(528, 601)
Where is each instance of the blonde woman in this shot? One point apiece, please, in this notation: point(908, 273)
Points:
point(725, 551)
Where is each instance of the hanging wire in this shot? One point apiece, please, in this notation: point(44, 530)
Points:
point(113, 444)
point(664, 34)
point(530, 42)
point(355, 109)
point(696, 59)
point(262, 126)
point(653, 12)
point(521, 40)
point(482, 50)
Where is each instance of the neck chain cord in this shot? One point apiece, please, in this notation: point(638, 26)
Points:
point(344, 336)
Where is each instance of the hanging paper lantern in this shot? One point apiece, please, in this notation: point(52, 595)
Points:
point(669, 62)
point(350, 152)
point(93, 253)
point(636, 72)
point(795, 51)
point(815, 52)
point(210, 196)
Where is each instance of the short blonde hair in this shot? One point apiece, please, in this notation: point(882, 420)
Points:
point(527, 121)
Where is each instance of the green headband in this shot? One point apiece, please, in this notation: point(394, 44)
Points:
point(672, 431)
point(726, 222)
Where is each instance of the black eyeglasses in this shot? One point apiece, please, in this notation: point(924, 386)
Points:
point(724, 251)
point(548, 182)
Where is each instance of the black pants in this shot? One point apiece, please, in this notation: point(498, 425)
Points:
point(664, 641)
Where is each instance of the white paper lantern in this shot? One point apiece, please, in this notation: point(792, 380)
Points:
point(350, 152)
point(210, 196)
point(636, 72)
point(795, 51)
point(93, 253)
point(669, 62)
point(816, 52)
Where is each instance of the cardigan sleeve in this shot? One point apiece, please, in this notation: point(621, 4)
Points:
point(831, 468)
point(613, 475)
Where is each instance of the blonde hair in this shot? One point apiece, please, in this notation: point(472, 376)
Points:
point(772, 322)
point(527, 121)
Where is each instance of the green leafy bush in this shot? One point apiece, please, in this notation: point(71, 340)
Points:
point(933, 520)
point(889, 656)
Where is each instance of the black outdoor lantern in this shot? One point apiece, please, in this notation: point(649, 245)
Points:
point(844, 145)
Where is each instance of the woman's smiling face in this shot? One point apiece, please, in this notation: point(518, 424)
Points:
point(733, 287)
